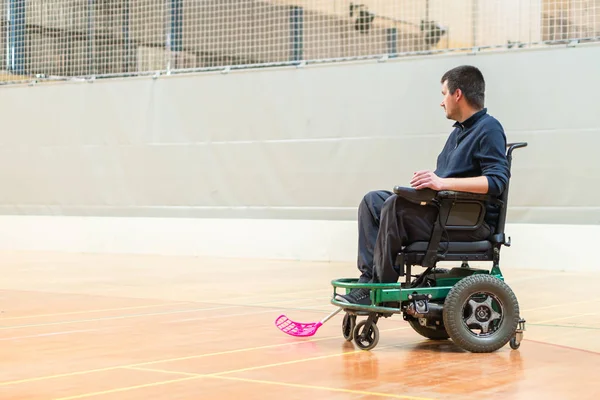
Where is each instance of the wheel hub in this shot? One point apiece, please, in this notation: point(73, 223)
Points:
point(482, 313)
point(479, 314)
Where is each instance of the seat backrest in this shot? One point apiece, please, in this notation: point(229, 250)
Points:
point(504, 197)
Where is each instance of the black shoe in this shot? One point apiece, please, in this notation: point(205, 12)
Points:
point(356, 296)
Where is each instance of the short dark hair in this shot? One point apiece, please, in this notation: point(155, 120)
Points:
point(470, 81)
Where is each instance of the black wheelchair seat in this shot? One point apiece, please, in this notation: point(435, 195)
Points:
point(451, 247)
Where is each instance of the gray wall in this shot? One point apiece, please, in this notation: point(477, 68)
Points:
point(294, 143)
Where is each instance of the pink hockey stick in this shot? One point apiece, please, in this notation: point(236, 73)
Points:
point(300, 329)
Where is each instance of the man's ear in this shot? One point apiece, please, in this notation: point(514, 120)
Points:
point(458, 94)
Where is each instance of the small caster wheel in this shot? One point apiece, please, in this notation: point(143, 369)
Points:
point(348, 326)
point(366, 339)
point(514, 344)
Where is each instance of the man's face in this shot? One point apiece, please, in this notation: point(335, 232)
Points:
point(449, 103)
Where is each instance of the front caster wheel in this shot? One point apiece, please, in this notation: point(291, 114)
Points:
point(366, 338)
point(348, 326)
point(514, 344)
point(515, 341)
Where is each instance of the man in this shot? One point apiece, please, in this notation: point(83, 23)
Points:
point(473, 160)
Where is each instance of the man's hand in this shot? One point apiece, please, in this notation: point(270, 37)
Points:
point(427, 179)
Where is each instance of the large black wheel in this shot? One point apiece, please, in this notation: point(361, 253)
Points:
point(429, 333)
point(481, 313)
point(348, 325)
point(366, 339)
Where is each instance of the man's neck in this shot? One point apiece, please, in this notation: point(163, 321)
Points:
point(466, 114)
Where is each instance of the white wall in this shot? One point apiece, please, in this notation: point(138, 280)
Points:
point(214, 164)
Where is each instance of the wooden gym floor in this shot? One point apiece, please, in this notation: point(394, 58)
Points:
point(76, 326)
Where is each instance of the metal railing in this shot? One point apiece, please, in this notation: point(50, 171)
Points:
point(78, 39)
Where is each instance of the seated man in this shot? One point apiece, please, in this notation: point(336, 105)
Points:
point(473, 160)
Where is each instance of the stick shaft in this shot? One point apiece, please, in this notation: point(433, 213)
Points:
point(327, 318)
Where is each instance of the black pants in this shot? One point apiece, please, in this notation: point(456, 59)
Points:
point(386, 223)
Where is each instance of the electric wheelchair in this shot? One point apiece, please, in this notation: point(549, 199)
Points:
point(473, 307)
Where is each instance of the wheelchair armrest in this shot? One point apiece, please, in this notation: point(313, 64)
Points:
point(422, 197)
point(468, 197)
point(453, 195)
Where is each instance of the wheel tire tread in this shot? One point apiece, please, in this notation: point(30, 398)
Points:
point(452, 306)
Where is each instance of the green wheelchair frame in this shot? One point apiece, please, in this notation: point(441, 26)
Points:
point(472, 306)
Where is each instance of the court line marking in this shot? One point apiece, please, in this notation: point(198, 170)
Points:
point(330, 389)
point(564, 346)
point(167, 360)
point(563, 318)
point(562, 305)
point(51, 334)
point(207, 301)
point(268, 310)
point(259, 296)
point(218, 375)
point(554, 336)
point(535, 276)
point(565, 326)
point(165, 371)
point(92, 311)
point(177, 321)
point(257, 367)
point(159, 383)
point(116, 317)
point(164, 322)
point(191, 310)
point(287, 384)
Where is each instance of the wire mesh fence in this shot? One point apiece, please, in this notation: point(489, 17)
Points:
point(61, 39)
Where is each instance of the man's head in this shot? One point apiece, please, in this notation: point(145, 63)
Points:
point(463, 89)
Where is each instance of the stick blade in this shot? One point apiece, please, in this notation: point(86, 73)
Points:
point(296, 329)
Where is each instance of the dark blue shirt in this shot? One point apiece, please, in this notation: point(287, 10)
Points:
point(477, 147)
